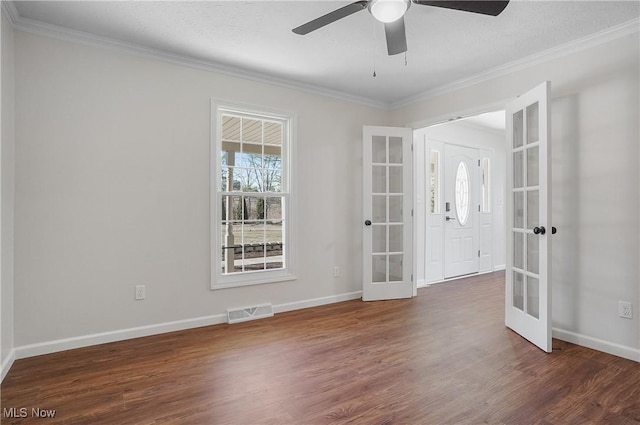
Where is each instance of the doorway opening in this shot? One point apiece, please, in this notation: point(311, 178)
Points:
point(460, 170)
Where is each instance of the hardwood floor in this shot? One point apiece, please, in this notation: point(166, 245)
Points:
point(444, 357)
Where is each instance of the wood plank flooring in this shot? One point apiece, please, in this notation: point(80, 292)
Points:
point(443, 357)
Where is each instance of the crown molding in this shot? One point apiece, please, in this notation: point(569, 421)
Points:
point(592, 40)
point(81, 37)
point(10, 11)
point(54, 31)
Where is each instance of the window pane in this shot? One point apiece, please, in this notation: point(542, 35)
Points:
point(273, 209)
point(395, 179)
point(532, 123)
point(274, 245)
point(533, 255)
point(395, 238)
point(272, 133)
point(230, 128)
point(379, 268)
point(379, 149)
point(533, 164)
point(270, 180)
point(533, 297)
point(395, 208)
point(395, 150)
point(379, 239)
point(379, 208)
point(518, 290)
point(253, 232)
point(251, 130)
point(518, 250)
point(379, 179)
point(533, 208)
point(435, 182)
point(518, 169)
point(518, 210)
point(249, 158)
point(395, 268)
point(518, 127)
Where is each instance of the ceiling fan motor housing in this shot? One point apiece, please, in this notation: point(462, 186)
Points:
point(387, 11)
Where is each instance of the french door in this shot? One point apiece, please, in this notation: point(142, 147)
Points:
point(387, 213)
point(528, 291)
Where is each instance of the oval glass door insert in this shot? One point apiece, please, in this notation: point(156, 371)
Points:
point(462, 193)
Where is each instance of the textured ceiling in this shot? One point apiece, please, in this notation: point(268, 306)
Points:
point(444, 46)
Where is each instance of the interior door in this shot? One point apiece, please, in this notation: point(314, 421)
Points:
point(528, 292)
point(387, 213)
point(461, 206)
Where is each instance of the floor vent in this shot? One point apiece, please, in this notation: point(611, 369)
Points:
point(237, 315)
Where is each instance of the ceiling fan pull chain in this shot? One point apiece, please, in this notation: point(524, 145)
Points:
point(374, 50)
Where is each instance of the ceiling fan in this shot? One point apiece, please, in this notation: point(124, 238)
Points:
point(391, 14)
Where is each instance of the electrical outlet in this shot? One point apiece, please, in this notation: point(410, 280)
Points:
point(336, 271)
point(625, 310)
point(141, 292)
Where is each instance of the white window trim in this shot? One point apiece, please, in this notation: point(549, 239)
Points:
point(219, 280)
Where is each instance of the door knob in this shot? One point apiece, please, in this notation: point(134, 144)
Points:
point(554, 230)
point(539, 230)
point(449, 218)
point(367, 222)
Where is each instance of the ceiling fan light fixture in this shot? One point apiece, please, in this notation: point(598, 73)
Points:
point(388, 10)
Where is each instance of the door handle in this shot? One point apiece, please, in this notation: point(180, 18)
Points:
point(449, 218)
point(539, 230)
point(554, 230)
point(367, 222)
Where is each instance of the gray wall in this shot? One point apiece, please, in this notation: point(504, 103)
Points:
point(112, 190)
point(7, 147)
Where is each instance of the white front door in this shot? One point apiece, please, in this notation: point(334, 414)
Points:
point(387, 213)
point(528, 288)
point(461, 183)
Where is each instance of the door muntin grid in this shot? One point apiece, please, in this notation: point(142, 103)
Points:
point(387, 200)
point(526, 211)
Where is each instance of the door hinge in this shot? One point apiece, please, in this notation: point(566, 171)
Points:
point(411, 212)
point(478, 208)
point(411, 147)
point(411, 278)
point(478, 163)
point(478, 253)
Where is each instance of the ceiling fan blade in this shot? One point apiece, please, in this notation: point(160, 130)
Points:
point(330, 17)
point(493, 8)
point(396, 37)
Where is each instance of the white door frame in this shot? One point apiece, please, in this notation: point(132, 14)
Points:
point(423, 147)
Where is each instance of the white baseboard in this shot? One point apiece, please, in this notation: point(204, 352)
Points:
point(499, 267)
point(297, 305)
point(597, 344)
point(422, 283)
point(6, 364)
point(49, 347)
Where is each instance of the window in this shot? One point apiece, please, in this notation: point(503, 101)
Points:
point(435, 183)
point(252, 200)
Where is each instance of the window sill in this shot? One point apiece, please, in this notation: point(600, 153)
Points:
point(248, 279)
